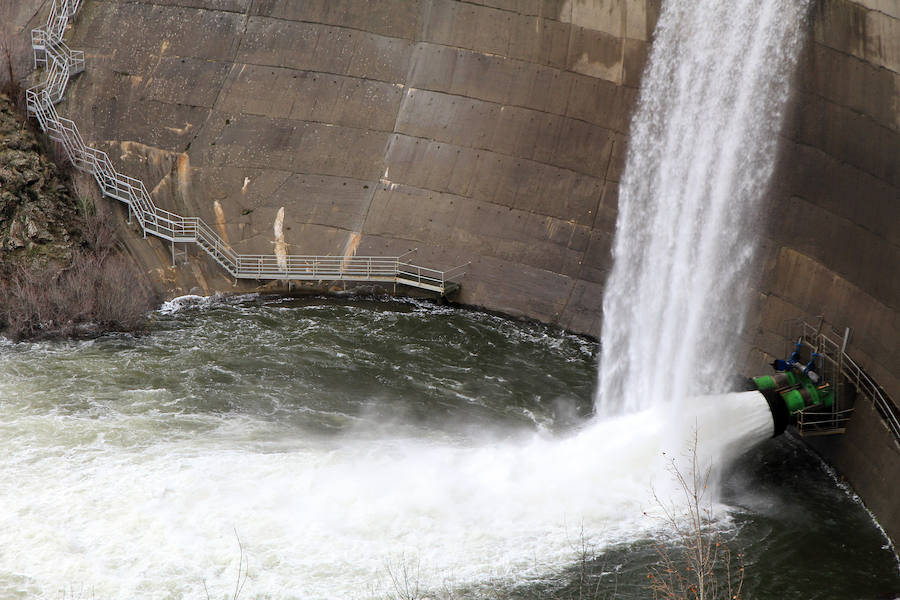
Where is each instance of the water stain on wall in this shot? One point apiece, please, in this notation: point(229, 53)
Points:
point(220, 220)
point(280, 244)
point(352, 244)
point(183, 174)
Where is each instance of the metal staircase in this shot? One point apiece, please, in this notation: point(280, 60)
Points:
point(62, 63)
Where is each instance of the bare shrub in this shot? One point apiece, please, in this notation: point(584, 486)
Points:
point(590, 573)
point(96, 227)
point(92, 295)
point(701, 566)
point(243, 572)
point(404, 575)
point(99, 290)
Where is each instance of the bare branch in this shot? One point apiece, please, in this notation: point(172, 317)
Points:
point(702, 557)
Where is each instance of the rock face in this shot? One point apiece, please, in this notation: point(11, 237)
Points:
point(38, 217)
point(62, 271)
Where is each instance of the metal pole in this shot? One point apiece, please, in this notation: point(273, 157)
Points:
point(839, 392)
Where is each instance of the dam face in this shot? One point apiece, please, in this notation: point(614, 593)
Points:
point(831, 247)
point(487, 132)
point(495, 132)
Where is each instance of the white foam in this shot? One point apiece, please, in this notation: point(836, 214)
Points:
point(175, 304)
point(178, 303)
point(115, 505)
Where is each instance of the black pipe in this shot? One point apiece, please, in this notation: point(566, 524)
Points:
point(780, 415)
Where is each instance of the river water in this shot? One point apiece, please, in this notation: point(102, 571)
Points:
point(326, 445)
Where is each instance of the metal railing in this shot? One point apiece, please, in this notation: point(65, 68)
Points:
point(62, 63)
point(812, 422)
point(847, 371)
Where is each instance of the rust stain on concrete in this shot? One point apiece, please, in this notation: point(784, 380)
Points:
point(552, 227)
point(142, 152)
point(183, 174)
point(352, 244)
point(198, 275)
point(610, 71)
point(181, 130)
point(350, 247)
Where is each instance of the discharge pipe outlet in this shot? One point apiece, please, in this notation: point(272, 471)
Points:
point(781, 416)
point(788, 393)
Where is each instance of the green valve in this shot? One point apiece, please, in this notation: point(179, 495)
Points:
point(776, 382)
point(764, 382)
point(795, 400)
point(807, 395)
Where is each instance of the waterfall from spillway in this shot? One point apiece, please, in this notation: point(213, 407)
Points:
point(701, 152)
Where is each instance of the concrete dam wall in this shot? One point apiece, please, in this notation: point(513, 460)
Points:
point(494, 132)
point(833, 240)
point(832, 246)
point(486, 132)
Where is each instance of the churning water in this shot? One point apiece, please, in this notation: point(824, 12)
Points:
point(344, 441)
point(701, 151)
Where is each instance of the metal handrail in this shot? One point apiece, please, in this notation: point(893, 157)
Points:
point(811, 420)
point(864, 384)
point(62, 63)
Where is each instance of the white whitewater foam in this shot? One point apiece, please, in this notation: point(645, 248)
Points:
point(702, 148)
point(114, 505)
point(172, 306)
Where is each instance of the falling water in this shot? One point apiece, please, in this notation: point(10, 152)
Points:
point(701, 153)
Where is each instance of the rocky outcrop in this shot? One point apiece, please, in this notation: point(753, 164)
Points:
point(62, 272)
point(38, 214)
